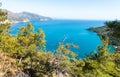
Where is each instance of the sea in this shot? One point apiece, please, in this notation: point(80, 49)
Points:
point(67, 31)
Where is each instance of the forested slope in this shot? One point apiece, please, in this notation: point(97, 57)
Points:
point(25, 55)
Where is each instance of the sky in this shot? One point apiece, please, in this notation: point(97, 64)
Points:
point(67, 9)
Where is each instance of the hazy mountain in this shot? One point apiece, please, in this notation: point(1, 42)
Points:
point(26, 16)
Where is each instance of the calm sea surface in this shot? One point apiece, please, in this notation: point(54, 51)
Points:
point(67, 31)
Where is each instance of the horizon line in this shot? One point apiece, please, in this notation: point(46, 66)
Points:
point(58, 18)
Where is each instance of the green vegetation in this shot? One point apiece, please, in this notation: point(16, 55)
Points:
point(25, 55)
point(115, 27)
point(112, 29)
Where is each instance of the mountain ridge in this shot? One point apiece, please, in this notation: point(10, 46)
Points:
point(25, 17)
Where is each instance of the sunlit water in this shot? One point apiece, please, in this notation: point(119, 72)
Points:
point(67, 31)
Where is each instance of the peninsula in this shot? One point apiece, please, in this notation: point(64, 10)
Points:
point(112, 29)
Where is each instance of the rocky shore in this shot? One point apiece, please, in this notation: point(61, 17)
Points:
point(101, 31)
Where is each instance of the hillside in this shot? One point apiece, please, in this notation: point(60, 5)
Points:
point(25, 16)
point(25, 55)
point(101, 31)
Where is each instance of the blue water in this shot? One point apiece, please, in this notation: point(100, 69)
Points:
point(67, 31)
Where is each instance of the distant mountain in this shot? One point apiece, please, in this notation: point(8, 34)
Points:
point(25, 17)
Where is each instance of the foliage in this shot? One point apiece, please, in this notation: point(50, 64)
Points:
point(7, 63)
point(115, 27)
point(25, 54)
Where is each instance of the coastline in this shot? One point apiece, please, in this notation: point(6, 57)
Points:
point(101, 31)
point(15, 22)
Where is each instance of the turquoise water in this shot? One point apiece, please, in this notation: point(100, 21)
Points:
point(67, 31)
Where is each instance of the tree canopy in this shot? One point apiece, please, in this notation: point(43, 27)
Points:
point(115, 27)
point(25, 55)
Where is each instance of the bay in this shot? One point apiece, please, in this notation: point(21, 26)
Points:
point(67, 31)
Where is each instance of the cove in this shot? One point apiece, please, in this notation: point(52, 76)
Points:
point(67, 31)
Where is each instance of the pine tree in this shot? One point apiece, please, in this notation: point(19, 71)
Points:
point(7, 63)
point(4, 24)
